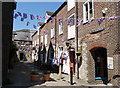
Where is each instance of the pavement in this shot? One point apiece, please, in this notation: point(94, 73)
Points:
point(20, 77)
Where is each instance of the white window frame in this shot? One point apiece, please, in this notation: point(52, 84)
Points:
point(71, 29)
point(41, 39)
point(86, 17)
point(52, 32)
point(60, 28)
point(46, 40)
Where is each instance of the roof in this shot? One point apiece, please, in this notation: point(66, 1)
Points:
point(40, 23)
point(49, 13)
point(54, 14)
point(24, 35)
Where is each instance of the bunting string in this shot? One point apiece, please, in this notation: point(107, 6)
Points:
point(60, 20)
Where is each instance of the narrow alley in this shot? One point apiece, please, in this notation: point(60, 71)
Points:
point(71, 43)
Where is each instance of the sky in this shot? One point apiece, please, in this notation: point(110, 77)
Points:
point(35, 8)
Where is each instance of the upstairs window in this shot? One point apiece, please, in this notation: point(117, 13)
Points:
point(52, 33)
point(45, 40)
point(87, 10)
point(41, 39)
point(60, 28)
point(71, 26)
point(72, 20)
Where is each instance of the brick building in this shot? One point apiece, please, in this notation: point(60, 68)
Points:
point(97, 41)
point(7, 11)
point(23, 40)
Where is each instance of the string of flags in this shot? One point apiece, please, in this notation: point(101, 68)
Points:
point(57, 41)
point(60, 20)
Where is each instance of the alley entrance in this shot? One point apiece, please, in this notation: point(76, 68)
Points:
point(100, 57)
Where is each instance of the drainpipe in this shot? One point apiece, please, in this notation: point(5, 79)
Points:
point(76, 5)
point(55, 35)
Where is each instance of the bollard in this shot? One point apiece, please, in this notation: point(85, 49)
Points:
point(71, 76)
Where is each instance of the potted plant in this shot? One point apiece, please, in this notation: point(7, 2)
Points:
point(46, 75)
point(35, 76)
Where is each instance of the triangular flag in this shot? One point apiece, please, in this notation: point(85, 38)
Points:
point(32, 17)
point(19, 13)
point(24, 15)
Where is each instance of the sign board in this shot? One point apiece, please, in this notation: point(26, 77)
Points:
point(97, 30)
point(110, 62)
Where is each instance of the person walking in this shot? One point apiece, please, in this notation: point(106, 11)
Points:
point(60, 65)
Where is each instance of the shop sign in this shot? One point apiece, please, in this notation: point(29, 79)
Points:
point(110, 62)
point(97, 30)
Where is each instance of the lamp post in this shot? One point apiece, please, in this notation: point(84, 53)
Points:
point(76, 32)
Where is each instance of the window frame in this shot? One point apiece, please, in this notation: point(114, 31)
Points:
point(61, 28)
point(52, 32)
point(86, 11)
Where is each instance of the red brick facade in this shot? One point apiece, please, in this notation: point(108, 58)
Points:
point(107, 38)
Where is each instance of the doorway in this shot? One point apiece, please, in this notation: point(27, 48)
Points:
point(100, 57)
point(21, 56)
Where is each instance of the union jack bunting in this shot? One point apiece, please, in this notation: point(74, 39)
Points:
point(34, 26)
point(16, 15)
point(45, 17)
point(52, 19)
point(32, 17)
point(90, 20)
point(38, 17)
point(24, 15)
point(101, 20)
point(60, 20)
point(27, 23)
point(69, 21)
point(79, 21)
point(113, 18)
point(19, 13)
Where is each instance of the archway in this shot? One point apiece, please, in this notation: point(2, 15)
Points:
point(99, 55)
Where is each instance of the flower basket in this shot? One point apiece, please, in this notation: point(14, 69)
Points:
point(46, 75)
point(35, 76)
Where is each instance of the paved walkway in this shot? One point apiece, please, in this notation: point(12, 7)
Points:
point(20, 76)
